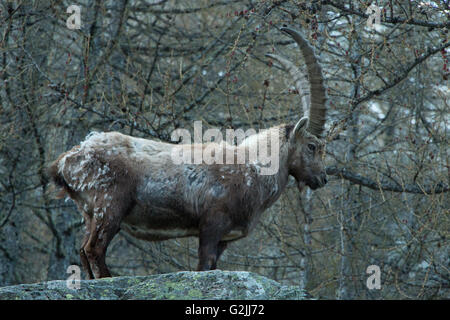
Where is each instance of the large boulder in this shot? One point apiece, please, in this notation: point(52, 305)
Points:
point(186, 285)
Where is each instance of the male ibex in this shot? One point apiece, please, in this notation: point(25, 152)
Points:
point(122, 181)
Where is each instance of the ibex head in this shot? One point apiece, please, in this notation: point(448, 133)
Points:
point(306, 148)
point(306, 153)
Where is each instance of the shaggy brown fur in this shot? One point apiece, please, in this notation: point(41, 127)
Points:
point(122, 181)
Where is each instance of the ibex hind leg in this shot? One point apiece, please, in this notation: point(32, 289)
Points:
point(105, 223)
point(83, 257)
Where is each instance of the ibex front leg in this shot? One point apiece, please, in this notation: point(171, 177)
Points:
point(212, 230)
point(221, 246)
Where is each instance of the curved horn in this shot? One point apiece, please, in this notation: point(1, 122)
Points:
point(300, 80)
point(317, 110)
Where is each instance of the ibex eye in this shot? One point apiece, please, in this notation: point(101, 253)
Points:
point(311, 147)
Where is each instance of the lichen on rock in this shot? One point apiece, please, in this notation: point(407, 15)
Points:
point(185, 285)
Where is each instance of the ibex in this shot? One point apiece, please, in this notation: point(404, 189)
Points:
point(122, 181)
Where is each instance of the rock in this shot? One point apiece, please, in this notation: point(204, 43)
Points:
point(185, 285)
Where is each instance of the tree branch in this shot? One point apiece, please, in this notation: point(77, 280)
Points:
point(393, 20)
point(356, 178)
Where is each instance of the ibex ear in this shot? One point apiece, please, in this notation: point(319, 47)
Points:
point(300, 127)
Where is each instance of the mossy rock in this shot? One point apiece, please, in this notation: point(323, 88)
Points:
point(187, 285)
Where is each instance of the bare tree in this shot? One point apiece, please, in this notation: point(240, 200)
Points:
point(147, 67)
